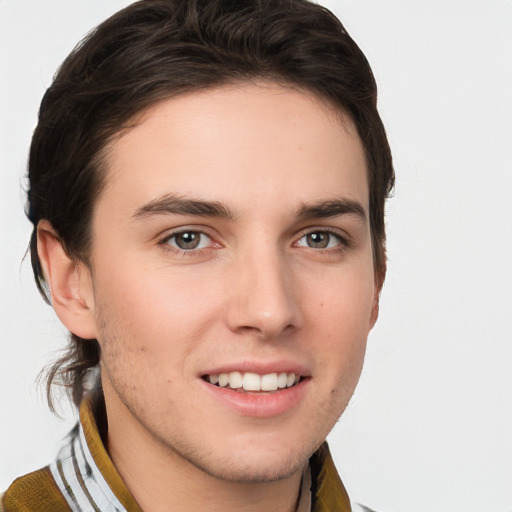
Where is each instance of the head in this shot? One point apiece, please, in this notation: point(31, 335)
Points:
point(148, 69)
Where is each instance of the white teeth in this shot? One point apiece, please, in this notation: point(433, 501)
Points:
point(269, 382)
point(281, 380)
point(254, 382)
point(235, 380)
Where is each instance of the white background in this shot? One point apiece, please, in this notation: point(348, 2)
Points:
point(430, 426)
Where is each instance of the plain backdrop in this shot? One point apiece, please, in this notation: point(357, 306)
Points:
point(430, 426)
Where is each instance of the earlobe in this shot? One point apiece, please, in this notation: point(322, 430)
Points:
point(69, 282)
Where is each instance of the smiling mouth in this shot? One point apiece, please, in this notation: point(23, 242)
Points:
point(253, 382)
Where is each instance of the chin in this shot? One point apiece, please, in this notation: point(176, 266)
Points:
point(252, 462)
point(255, 471)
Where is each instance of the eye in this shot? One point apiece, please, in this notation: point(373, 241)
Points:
point(188, 240)
point(320, 240)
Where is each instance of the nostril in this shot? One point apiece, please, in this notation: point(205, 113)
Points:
point(266, 332)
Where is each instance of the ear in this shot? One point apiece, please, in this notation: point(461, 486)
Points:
point(69, 281)
point(379, 281)
point(375, 308)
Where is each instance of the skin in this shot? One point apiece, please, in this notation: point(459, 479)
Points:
point(255, 291)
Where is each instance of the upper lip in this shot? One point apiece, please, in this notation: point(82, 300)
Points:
point(259, 367)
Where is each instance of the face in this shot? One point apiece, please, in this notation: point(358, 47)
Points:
point(233, 278)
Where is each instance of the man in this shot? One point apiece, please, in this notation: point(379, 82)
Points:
point(207, 189)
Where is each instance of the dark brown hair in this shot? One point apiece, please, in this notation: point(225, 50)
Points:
point(156, 49)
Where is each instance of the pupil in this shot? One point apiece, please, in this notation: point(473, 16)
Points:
point(318, 240)
point(187, 240)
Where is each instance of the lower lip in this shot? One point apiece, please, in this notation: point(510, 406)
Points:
point(264, 405)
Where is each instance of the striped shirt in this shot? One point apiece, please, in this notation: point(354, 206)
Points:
point(79, 479)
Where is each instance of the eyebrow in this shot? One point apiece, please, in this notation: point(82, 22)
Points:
point(170, 204)
point(331, 208)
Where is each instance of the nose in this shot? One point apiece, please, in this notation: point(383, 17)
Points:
point(263, 296)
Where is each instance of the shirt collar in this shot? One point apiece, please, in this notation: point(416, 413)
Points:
point(101, 458)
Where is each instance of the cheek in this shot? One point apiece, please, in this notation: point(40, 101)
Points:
point(339, 314)
point(342, 304)
point(153, 317)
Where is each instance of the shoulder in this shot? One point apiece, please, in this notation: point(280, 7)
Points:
point(36, 491)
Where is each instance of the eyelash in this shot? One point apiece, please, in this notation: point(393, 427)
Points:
point(164, 242)
point(340, 247)
point(343, 244)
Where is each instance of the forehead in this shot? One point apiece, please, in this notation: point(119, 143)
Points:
point(246, 142)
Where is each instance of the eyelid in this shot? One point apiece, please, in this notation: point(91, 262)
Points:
point(343, 237)
point(173, 231)
point(169, 234)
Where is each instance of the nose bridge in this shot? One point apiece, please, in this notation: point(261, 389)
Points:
point(263, 299)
